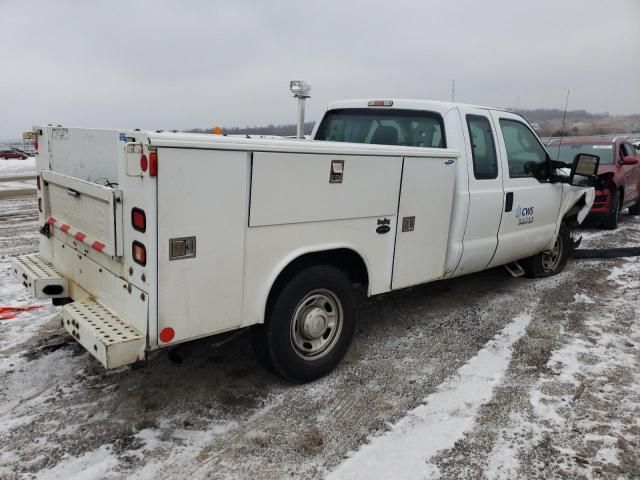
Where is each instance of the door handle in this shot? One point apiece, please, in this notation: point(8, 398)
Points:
point(508, 204)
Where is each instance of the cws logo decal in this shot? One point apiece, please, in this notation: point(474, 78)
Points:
point(524, 215)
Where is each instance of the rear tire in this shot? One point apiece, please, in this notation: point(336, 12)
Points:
point(258, 334)
point(310, 325)
point(611, 223)
point(549, 263)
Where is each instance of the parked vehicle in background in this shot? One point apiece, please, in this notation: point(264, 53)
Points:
point(7, 152)
point(618, 184)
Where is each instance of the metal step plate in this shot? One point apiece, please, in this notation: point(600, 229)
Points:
point(39, 276)
point(105, 335)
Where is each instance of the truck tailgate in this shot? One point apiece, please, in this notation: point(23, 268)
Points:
point(90, 213)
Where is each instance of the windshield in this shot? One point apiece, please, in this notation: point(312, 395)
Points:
point(383, 127)
point(569, 151)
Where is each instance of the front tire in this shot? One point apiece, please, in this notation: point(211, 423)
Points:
point(309, 326)
point(611, 223)
point(547, 264)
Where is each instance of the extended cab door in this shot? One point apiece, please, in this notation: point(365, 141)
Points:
point(486, 197)
point(531, 204)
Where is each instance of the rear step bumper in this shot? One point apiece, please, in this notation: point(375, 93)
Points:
point(109, 338)
point(105, 335)
point(40, 278)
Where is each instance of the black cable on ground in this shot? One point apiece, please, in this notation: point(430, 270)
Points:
point(606, 252)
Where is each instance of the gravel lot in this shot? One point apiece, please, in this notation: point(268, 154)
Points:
point(566, 404)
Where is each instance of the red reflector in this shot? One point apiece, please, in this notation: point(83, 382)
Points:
point(38, 183)
point(99, 246)
point(139, 253)
point(35, 142)
point(40, 204)
point(153, 163)
point(167, 334)
point(144, 163)
point(138, 219)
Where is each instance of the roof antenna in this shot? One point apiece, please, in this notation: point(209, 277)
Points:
point(564, 117)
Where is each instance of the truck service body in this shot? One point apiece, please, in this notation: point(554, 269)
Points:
point(151, 239)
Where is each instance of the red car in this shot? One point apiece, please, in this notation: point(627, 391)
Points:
point(11, 153)
point(618, 183)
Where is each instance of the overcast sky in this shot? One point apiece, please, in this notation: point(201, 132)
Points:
point(181, 64)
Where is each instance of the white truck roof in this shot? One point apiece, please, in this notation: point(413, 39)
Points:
point(406, 103)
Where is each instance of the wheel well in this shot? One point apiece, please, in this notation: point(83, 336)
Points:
point(344, 259)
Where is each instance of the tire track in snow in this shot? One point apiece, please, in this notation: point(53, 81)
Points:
point(444, 417)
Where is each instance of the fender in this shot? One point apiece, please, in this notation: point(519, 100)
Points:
point(572, 195)
point(283, 263)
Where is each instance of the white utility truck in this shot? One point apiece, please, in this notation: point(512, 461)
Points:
point(150, 239)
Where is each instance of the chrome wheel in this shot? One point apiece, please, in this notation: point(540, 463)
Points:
point(551, 259)
point(316, 324)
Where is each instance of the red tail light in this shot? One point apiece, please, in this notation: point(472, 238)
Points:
point(138, 220)
point(38, 182)
point(144, 163)
point(153, 163)
point(35, 142)
point(139, 253)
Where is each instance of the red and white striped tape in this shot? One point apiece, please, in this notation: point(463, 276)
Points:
point(77, 234)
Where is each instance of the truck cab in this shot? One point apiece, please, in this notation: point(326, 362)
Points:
point(508, 204)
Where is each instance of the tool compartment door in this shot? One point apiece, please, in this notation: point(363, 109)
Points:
point(424, 215)
point(203, 198)
point(90, 213)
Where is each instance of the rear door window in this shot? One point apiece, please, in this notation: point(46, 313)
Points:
point(483, 148)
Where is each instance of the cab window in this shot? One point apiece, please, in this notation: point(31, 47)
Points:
point(413, 128)
point(626, 150)
point(483, 149)
point(525, 155)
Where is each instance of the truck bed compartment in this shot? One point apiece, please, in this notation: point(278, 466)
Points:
point(292, 188)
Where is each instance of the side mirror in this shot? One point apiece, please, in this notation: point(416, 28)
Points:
point(584, 170)
point(629, 160)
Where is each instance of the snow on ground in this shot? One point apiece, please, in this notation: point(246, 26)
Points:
point(404, 452)
point(586, 407)
point(627, 236)
point(14, 166)
point(579, 418)
point(484, 376)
